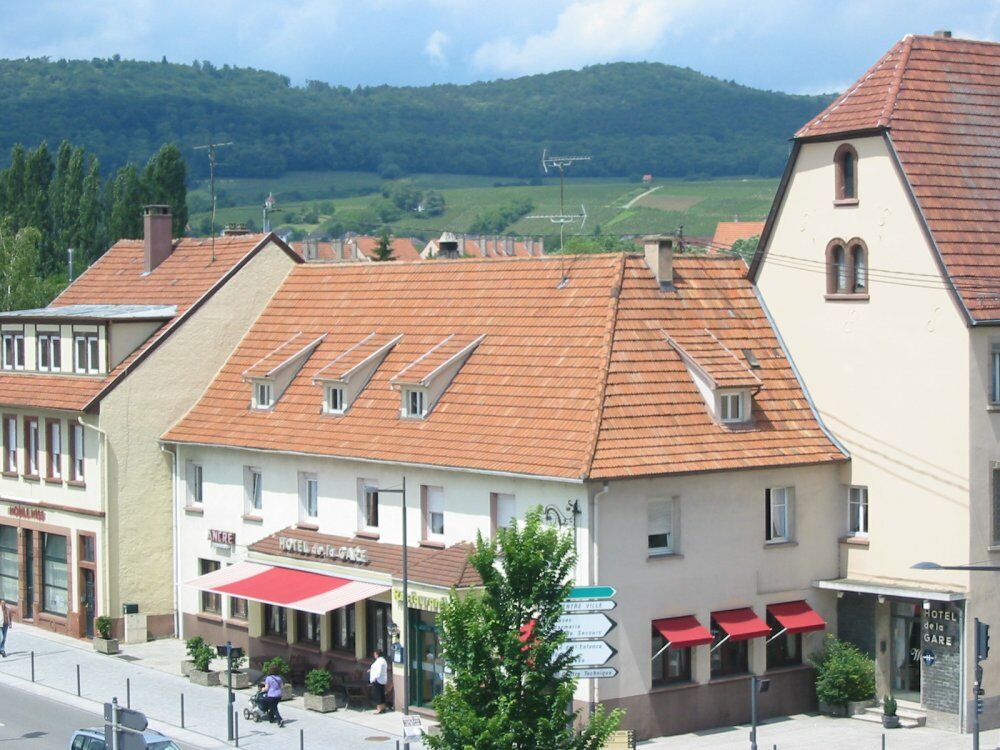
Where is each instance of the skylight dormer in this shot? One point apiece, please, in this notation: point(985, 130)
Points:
point(725, 382)
point(422, 382)
point(346, 376)
point(272, 374)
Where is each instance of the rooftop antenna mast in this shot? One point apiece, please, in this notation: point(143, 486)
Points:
point(562, 163)
point(212, 164)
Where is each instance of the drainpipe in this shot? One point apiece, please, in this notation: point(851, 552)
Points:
point(594, 684)
point(176, 537)
point(105, 547)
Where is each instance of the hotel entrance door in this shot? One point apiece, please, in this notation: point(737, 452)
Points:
point(905, 652)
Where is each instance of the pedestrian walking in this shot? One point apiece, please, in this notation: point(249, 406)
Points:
point(378, 675)
point(272, 686)
point(5, 624)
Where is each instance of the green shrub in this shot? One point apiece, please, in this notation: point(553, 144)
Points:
point(843, 673)
point(889, 706)
point(203, 657)
point(284, 668)
point(318, 682)
point(103, 625)
point(193, 644)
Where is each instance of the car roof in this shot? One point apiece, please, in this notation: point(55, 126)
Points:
point(149, 734)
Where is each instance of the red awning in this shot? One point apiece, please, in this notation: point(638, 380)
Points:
point(741, 624)
point(796, 617)
point(682, 632)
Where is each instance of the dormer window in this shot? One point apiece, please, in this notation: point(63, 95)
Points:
point(49, 352)
point(731, 407)
point(334, 403)
point(13, 350)
point(271, 375)
point(413, 403)
point(86, 353)
point(846, 170)
point(346, 376)
point(263, 397)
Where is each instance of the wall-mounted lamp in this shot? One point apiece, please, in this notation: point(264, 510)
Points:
point(840, 594)
point(881, 599)
point(927, 605)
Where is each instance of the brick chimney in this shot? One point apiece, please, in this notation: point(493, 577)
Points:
point(157, 235)
point(660, 258)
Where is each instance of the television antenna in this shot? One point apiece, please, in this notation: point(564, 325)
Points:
point(212, 164)
point(270, 206)
point(562, 163)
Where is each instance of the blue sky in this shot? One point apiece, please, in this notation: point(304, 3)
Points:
point(804, 46)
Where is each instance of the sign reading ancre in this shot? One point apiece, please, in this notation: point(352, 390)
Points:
point(224, 538)
point(941, 629)
point(357, 555)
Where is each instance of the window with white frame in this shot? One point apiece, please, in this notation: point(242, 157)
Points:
point(413, 403)
point(86, 353)
point(995, 374)
point(778, 509)
point(195, 483)
point(367, 504)
point(76, 466)
point(253, 490)
point(334, 403)
point(308, 496)
point(10, 444)
point(49, 352)
point(504, 510)
point(53, 438)
point(263, 395)
point(731, 407)
point(31, 446)
point(660, 526)
point(857, 511)
point(433, 501)
point(13, 350)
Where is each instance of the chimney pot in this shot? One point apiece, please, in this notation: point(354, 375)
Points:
point(943, 33)
point(157, 235)
point(660, 258)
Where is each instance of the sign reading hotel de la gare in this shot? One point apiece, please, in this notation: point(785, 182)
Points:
point(941, 628)
point(357, 555)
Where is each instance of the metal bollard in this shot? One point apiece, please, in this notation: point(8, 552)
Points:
point(77, 680)
point(182, 710)
point(236, 727)
point(883, 740)
point(128, 693)
point(32, 666)
point(302, 739)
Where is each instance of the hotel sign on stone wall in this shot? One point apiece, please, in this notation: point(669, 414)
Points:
point(941, 629)
point(358, 555)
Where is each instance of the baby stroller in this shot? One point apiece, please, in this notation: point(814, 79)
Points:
point(255, 709)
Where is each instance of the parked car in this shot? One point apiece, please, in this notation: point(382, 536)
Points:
point(93, 739)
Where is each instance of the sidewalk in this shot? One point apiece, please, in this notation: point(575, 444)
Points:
point(149, 676)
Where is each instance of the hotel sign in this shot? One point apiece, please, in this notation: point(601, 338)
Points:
point(25, 512)
point(941, 629)
point(357, 555)
point(224, 538)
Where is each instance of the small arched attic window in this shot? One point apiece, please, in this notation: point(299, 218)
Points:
point(847, 269)
point(845, 160)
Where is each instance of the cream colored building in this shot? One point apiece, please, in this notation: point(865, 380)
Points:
point(87, 385)
point(878, 266)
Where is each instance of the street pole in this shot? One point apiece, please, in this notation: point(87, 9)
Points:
point(114, 724)
point(753, 712)
point(975, 712)
point(229, 688)
point(406, 614)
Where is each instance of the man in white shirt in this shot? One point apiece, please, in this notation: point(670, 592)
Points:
point(5, 624)
point(378, 675)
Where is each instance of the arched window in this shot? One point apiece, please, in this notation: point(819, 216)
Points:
point(847, 268)
point(859, 267)
point(836, 268)
point(846, 161)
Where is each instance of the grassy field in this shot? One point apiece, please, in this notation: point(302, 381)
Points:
point(616, 207)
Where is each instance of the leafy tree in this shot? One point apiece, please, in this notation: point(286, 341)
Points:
point(21, 286)
point(92, 222)
point(511, 690)
point(14, 206)
point(746, 248)
point(498, 219)
point(126, 205)
point(405, 195)
point(165, 179)
point(383, 250)
point(70, 233)
point(579, 245)
point(38, 170)
point(434, 204)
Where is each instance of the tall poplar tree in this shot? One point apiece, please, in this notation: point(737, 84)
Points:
point(165, 178)
point(91, 227)
point(126, 205)
point(38, 170)
point(510, 689)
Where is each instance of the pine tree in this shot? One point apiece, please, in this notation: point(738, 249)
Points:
point(126, 205)
point(510, 689)
point(165, 179)
point(383, 250)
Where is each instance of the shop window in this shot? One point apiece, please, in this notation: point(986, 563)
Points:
point(308, 497)
point(377, 626)
point(211, 603)
point(307, 627)
point(13, 350)
point(670, 665)
point(10, 567)
point(76, 445)
point(238, 608)
point(86, 353)
point(857, 511)
point(783, 649)
point(845, 161)
point(778, 511)
point(53, 441)
point(275, 623)
point(54, 574)
point(368, 504)
point(253, 490)
point(31, 447)
point(432, 500)
point(344, 628)
point(49, 352)
point(660, 533)
point(502, 510)
point(9, 444)
point(729, 657)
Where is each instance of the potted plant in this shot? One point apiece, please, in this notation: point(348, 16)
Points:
point(240, 678)
point(202, 673)
point(285, 670)
point(103, 642)
point(889, 718)
point(845, 678)
point(317, 696)
point(192, 645)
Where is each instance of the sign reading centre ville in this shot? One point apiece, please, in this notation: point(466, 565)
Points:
point(941, 628)
point(357, 555)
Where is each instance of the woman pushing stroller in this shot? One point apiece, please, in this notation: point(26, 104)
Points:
point(272, 696)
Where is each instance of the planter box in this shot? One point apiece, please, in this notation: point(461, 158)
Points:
point(890, 722)
point(323, 704)
point(858, 707)
point(106, 645)
point(206, 679)
point(187, 667)
point(241, 680)
point(833, 710)
point(286, 692)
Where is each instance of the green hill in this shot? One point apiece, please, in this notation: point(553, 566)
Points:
point(632, 118)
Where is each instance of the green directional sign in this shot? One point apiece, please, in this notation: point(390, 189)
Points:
point(591, 592)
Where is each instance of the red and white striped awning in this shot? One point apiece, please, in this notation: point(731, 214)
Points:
point(302, 590)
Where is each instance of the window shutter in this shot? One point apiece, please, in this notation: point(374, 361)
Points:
point(767, 514)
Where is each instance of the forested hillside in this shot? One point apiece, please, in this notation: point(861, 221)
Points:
point(632, 118)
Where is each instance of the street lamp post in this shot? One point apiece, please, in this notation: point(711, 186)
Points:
point(757, 685)
point(406, 605)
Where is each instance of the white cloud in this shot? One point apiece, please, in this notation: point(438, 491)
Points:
point(587, 31)
point(434, 49)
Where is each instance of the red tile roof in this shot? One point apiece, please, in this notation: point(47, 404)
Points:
point(569, 381)
point(403, 248)
point(727, 232)
point(356, 355)
point(118, 278)
point(436, 357)
point(939, 100)
point(710, 355)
